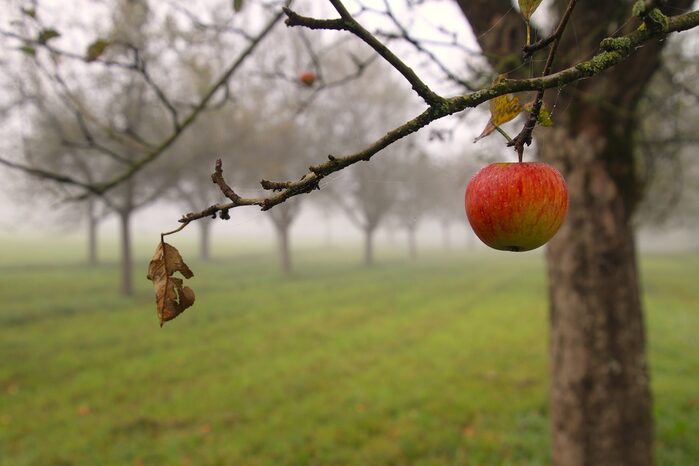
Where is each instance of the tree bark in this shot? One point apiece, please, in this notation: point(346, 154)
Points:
point(600, 404)
point(126, 286)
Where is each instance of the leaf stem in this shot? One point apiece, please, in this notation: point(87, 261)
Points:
point(504, 133)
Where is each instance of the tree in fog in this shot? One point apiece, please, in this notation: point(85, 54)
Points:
point(448, 206)
point(367, 192)
point(416, 193)
point(668, 142)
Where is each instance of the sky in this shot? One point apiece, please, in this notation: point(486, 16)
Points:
point(19, 218)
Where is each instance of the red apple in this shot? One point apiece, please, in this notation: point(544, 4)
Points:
point(307, 78)
point(516, 206)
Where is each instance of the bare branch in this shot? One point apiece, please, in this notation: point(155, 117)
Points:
point(556, 36)
point(348, 23)
point(610, 55)
point(201, 106)
point(525, 136)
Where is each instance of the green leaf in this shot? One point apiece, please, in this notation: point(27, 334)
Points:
point(46, 35)
point(28, 49)
point(544, 118)
point(528, 7)
point(96, 49)
point(237, 5)
point(31, 12)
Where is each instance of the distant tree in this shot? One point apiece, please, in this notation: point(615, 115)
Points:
point(416, 193)
point(667, 140)
point(448, 207)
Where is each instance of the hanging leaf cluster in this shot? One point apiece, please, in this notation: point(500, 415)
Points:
point(171, 297)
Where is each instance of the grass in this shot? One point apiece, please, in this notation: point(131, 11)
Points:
point(437, 362)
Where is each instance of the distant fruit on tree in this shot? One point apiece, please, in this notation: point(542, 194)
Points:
point(307, 78)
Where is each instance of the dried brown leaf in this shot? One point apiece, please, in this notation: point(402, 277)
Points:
point(489, 128)
point(171, 297)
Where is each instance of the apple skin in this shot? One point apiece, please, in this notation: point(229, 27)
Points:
point(307, 78)
point(516, 206)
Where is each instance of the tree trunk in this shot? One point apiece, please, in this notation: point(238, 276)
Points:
point(126, 263)
point(600, 405)
point(92, 223)
point(204, 240)
point(369, 246)
point(446, 235)
point(412, 242)
point(600, 394)
point(284, 249)
point(282, 218)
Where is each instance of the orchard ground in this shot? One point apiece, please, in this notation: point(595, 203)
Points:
point(442, 361)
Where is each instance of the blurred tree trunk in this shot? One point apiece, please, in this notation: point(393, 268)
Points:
point(204, 240)
point(446, 234)
point(282, 217)
point(125, 211)
point(369, 245)
point(412, 242)
point(600, 394)
point(284, 252)
point(600, 403)
point(126, 286)
point(92, 223)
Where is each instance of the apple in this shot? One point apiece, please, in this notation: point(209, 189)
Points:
point(307, 78)
point(516, 206)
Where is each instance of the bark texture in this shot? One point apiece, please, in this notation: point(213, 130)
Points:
point(600, 403)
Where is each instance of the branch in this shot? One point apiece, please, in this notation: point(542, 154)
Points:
point(525, 136)
point(418, 45)
point(201, 106)
point(556, 36)
point(612, 53)
point(348, 23)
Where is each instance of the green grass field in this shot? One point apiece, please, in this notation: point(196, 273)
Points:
point(438, 362)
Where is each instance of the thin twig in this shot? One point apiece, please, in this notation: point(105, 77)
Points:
point(525, 136)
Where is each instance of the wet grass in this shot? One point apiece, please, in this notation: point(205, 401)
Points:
point(436, 362)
